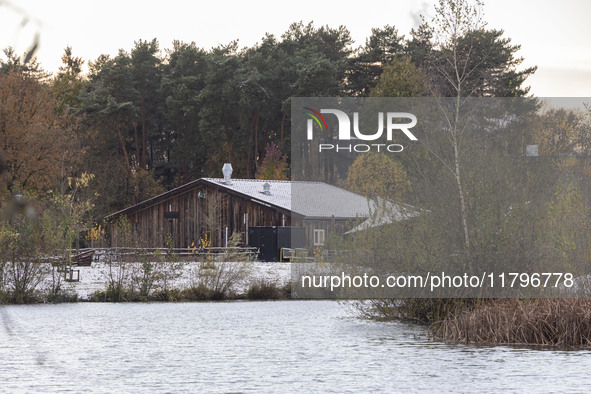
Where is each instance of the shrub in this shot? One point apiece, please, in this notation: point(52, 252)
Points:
point(414, 310)
point(264, 290)
point(61, 297)
point(196, 293)
point(21, 255)
point(223, 273)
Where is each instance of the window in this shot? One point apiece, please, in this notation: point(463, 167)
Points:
point(318, 237)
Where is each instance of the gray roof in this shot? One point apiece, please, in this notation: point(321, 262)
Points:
point(280, 194)
point(385, 212)
point(309, 199)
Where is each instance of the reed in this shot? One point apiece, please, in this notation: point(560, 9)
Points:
point(556, 322)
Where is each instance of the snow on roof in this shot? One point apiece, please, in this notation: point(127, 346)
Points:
point(385, 213)
point(321, 200)
point(279, 195)
point(309, 199)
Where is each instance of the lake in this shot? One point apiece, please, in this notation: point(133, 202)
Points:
point(283, 346)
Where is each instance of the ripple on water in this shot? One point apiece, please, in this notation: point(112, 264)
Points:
point(256, 346)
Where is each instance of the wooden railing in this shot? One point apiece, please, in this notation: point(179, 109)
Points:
point(134, 254)
point(85, 257)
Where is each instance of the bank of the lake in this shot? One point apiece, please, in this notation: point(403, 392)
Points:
point(105, 280)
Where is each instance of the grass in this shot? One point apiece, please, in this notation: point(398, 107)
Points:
point(258, 290)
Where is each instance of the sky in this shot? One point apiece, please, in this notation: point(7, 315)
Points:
point(554, 35)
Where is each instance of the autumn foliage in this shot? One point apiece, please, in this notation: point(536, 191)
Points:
point(375, 174)
point(274, 166)
point(39, 145)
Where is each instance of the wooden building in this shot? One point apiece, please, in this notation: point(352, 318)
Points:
point(219, 207)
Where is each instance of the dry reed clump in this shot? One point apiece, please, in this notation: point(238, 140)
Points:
point(556, 322)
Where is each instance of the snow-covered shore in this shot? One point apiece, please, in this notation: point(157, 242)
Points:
point(95, 277)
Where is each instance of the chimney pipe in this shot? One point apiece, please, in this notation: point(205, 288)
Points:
point(227, 170)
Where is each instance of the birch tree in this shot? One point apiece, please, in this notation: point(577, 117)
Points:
point(468, 61)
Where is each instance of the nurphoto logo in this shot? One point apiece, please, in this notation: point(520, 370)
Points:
point(392, 120)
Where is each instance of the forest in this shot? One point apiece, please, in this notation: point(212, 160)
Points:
point(150, 119)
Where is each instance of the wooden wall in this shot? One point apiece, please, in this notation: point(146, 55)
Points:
point(198, 216)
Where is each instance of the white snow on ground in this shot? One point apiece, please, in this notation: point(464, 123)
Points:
point(95, 277)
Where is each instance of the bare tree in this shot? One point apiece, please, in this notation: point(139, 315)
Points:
point(212, 217)
point(453, 20)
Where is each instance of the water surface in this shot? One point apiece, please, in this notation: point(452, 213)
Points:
point(256, 347)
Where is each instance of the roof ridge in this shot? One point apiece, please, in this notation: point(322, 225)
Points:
point(271, 180)
point(250, 179)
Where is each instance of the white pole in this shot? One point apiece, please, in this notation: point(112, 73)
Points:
point(246, 223)
point(226, 236)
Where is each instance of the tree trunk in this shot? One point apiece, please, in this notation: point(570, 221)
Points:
point(282, 122)
point(120, 134)
point(458, 174)
point(256, 142)
point(137, 140)
point(143, 152)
